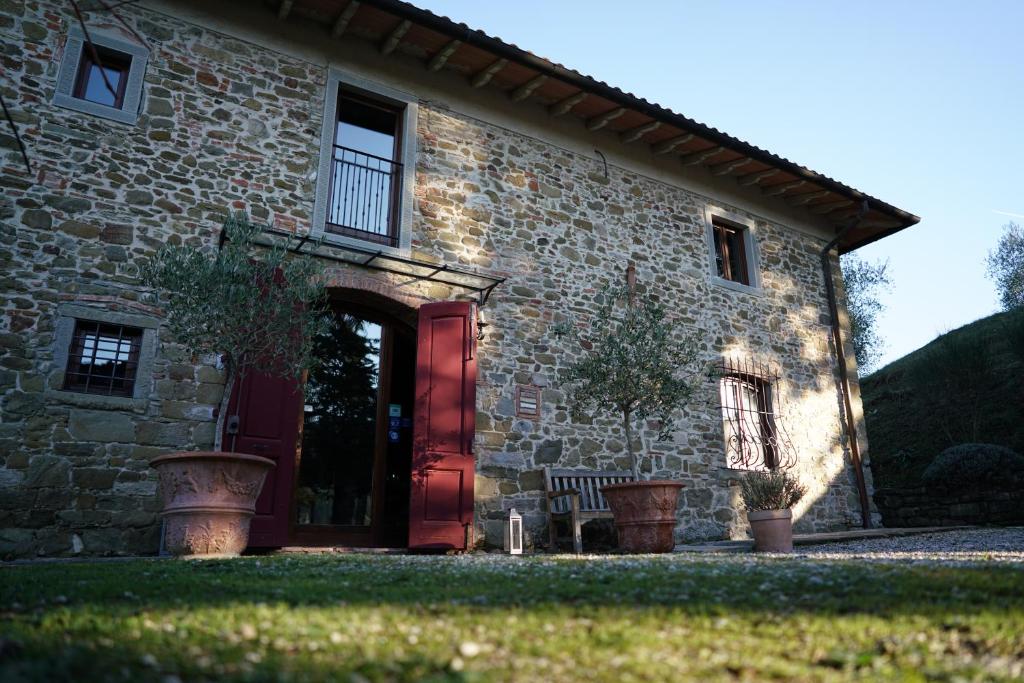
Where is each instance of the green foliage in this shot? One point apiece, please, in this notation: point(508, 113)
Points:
point(258, 306)
point(638, 365)
point(770, 490)
point(864, 282)
point(965, 386)
point(975, 466)
point(1005, 265)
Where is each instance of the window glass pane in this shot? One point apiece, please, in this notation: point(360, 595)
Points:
point(719, 257)
point(737, 255)
point(96, 90)
point(103, 359)
point(743, 424)
point(366, 128)
point(339, 437)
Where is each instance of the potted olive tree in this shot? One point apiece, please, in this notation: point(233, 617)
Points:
point(256, 306)
point(768, 496)
point(637, 366)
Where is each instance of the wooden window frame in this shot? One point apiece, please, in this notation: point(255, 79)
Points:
point(723, 227)
point(109, 59)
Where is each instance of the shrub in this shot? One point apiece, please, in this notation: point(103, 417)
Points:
point(770, 490)
point(975, 466)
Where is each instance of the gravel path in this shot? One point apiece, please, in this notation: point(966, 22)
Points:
point(1005, 545)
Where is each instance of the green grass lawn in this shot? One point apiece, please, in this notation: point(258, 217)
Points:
point(615, 618)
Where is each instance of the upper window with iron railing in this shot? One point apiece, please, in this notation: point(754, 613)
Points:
point(365, 185)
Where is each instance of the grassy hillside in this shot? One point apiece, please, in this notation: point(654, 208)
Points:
point(965, 386)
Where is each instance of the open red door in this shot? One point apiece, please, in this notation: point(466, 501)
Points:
point(441, 502)
point(269, 410)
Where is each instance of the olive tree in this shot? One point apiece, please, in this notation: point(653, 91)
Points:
point(1005, 265)
point(253, 302)
point(637, 365)
point(864, 282)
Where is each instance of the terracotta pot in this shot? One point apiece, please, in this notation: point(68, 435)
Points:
point(773, 530)
point(645, 514)
point(209, 499)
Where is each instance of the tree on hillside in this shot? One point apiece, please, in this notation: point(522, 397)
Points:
point(865, 280)
point(1006, 266)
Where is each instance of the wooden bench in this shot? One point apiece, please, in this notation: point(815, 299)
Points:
point(575, 495)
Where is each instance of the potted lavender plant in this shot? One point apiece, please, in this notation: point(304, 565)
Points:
point(768, 496)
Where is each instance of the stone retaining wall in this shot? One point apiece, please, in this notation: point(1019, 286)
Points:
point(903, 507)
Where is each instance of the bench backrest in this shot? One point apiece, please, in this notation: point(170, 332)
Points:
point(587, 482)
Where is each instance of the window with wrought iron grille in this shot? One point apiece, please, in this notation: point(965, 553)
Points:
point(103, 359)
point(754, 436)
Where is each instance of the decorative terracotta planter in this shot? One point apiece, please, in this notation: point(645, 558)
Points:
point(773, 530)
point(209, 499)
point(645, 514)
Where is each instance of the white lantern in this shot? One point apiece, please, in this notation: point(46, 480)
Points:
point(514, 533)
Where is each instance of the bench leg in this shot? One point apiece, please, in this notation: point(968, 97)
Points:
point(552, 531)
point(577, 531)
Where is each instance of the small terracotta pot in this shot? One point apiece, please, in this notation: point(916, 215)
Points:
point(645, 514)
point(209, 499)
point(773, 530)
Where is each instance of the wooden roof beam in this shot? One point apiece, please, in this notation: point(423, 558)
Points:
point(808, 197)
point(484, 76)
point(563, 106)
point(392, 41)
point(526, 89)
point(666, 146)
point(601, 120)
point(729, 166)
point(700, 156)
point(284, 9)
point(829, 207)
point(756, 177)
point(783, 188)
point(635, 134)
point(344, 18)
point(438, 61)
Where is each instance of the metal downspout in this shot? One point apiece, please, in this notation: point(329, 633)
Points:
point(844, 376)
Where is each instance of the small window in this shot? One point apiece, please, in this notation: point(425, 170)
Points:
point(730, 252)
point(366, 174)
point(103, 359)
point(91, 84)
point(104, 81)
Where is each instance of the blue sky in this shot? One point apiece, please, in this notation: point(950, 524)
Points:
point(917, 103)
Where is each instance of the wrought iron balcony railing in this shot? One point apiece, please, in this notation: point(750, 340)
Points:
point(364, 196)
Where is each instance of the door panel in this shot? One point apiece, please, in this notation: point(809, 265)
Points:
point(269, 410)
point(443, 467)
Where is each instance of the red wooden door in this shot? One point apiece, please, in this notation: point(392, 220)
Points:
point(444, 416)
point(269, 411)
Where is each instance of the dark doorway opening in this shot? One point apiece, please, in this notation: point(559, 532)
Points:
point(354, 470)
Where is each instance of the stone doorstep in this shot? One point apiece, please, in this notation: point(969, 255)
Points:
point(815, 539)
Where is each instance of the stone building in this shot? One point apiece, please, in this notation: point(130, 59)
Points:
point(430, 163)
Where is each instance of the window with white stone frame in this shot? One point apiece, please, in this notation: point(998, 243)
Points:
point(102, 79)
point(366, 174)
point(732, 250)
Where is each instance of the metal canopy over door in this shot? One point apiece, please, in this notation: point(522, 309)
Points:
point(441, 500)
point(268, 410)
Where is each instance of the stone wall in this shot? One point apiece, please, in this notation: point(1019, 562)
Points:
point(228, 125)
point(920, 506)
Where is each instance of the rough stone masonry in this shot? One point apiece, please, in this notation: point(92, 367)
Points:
point(234, 124)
